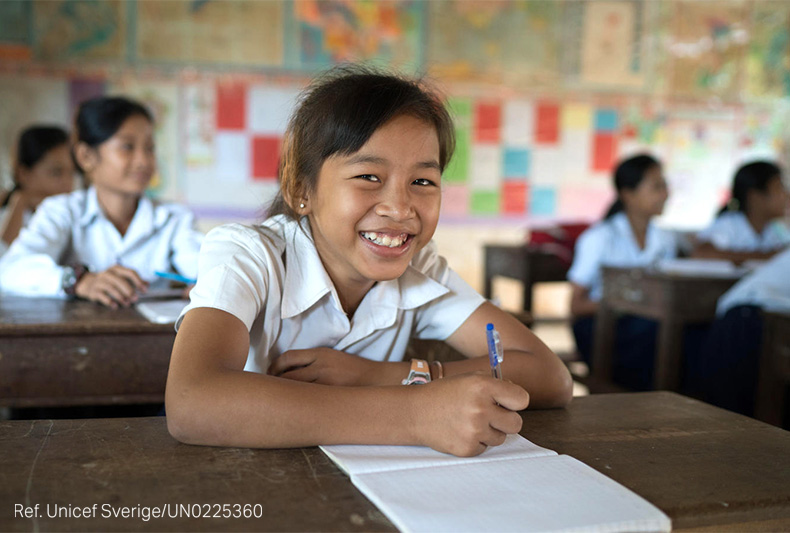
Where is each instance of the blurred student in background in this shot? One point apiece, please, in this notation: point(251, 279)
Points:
point(750, 225)
point(731, 356)
point(104, 243)
point(42, 167)
point(626, 237)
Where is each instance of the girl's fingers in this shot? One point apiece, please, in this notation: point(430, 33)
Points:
point(505, 420)
point(290, 360)
point(131, 276)
point(121, 286)
point(494, 437)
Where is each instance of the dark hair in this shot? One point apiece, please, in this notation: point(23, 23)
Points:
point(100, 118)
point(752, 176)
point(34, 143)
point(627, 176)
point(337, 114)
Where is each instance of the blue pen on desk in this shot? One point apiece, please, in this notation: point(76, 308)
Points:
point(176, 277)
point(495, 355)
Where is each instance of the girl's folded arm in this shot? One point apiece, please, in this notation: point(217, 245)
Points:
point(528, 362)
point(211, 401)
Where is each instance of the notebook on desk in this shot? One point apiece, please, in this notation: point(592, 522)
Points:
point(518, 486)
point(161, 311)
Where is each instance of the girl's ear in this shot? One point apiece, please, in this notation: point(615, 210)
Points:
point(86, 157)
point(297, 201)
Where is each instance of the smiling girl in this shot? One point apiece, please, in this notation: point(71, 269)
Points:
point(104, 243)
point(42, 168)
point(297, 328)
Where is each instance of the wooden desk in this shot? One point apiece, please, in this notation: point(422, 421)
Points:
point(59, 353)
point(703, 466)
point(525, 264)
point(774, 373)
point(672, 300)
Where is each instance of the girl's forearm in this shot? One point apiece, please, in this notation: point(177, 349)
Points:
point(233, 408)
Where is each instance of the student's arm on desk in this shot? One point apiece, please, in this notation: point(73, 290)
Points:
point(528, 362)
point(211, 401)
point(581, 305)
point(706, 250)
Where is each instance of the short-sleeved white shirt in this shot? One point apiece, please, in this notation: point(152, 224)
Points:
point(271, 278)
point(732, 232)
point(72, 228)
point(767, 287)
point(611, 242)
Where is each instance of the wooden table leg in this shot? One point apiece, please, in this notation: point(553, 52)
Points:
point(603, 344)
point(669, 355)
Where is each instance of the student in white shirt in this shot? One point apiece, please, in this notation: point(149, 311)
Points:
point(626, 237)
point(104, 243)
point(42, 168)
point(750, 225)
point(730, 359)
point(319, 302)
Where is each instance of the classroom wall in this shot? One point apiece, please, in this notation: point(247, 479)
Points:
point(547, 95)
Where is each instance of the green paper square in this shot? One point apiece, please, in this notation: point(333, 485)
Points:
point(485, 202)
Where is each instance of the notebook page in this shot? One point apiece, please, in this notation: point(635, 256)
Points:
point(357, 459)
point(161, 312)
point(551, 493)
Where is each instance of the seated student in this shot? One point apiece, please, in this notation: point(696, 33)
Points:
point(106, 242)
point(42, 167)
point(729, 364)
point(749, 226)
point(626, 237)
point(297, 327)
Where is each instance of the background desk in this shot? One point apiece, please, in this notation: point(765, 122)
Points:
point(703, 466)
point(672, 300)
point(522, 263)
point(57, 353)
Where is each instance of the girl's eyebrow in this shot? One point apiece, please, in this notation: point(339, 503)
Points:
point(369, 158)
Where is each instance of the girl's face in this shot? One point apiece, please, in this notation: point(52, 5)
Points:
point(125, 163)
point(649, 197)
point(772, 201)
point(53, 174)
point(374, 209)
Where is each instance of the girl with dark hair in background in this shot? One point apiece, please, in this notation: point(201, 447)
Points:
point(42, 167)
point(298, 327)
point(749, 226)
point(106, 242)
point(626, 237)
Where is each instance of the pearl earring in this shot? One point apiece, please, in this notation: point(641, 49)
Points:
point(301, 206)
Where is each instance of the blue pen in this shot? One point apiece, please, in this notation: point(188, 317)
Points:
point(176, 277)
point(495, 355)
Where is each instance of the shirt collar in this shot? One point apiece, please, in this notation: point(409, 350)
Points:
point(146, 219)
point(92, 209)
point(307, 281)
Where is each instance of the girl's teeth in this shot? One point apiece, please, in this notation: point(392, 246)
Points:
point(385, 240)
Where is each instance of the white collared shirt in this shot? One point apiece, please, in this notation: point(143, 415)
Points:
point(732, 232)
point(71, 228)
point(767, 287)
point(612, 243)
point(272, 279)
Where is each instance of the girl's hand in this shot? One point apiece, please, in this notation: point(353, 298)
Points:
point(325, 366)
point(465, 414)
point(115, 286)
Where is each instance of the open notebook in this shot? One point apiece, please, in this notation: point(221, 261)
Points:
point(161, 311)
point(518, 486)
